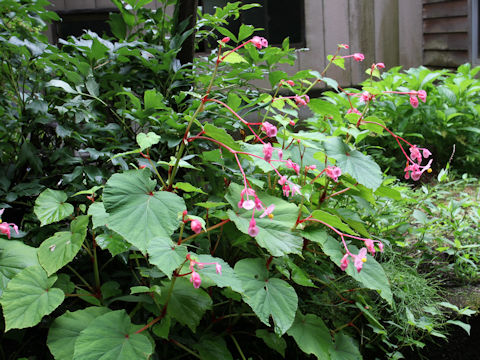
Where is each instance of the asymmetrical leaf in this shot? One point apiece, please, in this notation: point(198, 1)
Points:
point(112, 336)
point(311, 335)
point(267, 296)
point(65, 330)
point(50, 206)
point(29, 296)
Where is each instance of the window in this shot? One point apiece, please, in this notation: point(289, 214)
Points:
point(278, 18)
point(475, 32)
point(74, 23)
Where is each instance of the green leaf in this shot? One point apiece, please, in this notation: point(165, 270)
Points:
point(147, 140)
point(144, 217)
point(325, 108)
point(29, 296)
point(360, 166)
point(112, 242)
point(221, 135)
point(99, 216)
point(344, 348)
point(153, 99)
point(112, 336)
point(167, 257)
point(267, 296)
point(50, 206)
point(372, 275)
point(272, 340)
point(61, 248)
point(213, 348)
point(234, 58)
point(65, 330)
point(187, 305)
point(210, 276)
point(14, 257)
point(245, 31)
point(61, 84)
point(463, 325)
point(187, 187)
point(311, 335)
point(275, 234)
point(332, 220)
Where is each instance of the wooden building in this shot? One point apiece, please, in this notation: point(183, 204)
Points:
point(435, 33)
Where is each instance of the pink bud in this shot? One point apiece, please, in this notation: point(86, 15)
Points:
point(422, 95)
point(195, 279)
point(218, 268)
point(270, 130)
point(343, 46)
point(370, 246)
point(267, 151)
point(380, 65)
point(196, 226)
point(280, 154)
point(292, 122)
point(248, 204)
point(290, 82)
point(358, 57)
point(252, 228)
point(380, 246)
point(344, 262)
point(225, 40)
point(413, 101)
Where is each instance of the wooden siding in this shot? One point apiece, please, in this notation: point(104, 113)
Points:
point(446, 26)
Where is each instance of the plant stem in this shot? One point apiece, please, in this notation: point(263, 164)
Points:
point(81, 278)
point(237, 345)
point(185, 348)
point(207, 230)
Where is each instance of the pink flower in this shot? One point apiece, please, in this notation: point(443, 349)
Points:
point(301, 100)
point(267, 151)
point(380, 65)
point(422, 94)
point(252, 228)
point(248, 204)
point(358, 57)
point(360, 259)
point(5, 227)
point(380, 246)
point(292, 123)
point(354, 111)
point(196, 226)
point(286, 190)
point(294, 166)
point(426, 153)
point(259, 42)
point(343, 46)
point(294, 188)
point(282, 180)
point(270, 130)
point(195, 279)
point(280, 154)
point(333, 172)
point(218, 268)
point(366, 97)
point(268, 211)
point(415, 153)
point(413, 101)
point(370, 246)
point(344, 262)
point(290, 82)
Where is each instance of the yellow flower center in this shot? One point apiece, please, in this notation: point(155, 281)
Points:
point(270, 216)
point(429, 170)
point(364, 259)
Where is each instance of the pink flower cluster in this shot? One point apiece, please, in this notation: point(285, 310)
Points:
point(195, 276)
point(5, 227)
point(413, 168)
point(333, 172)
point(255, 204)
point(259, 42)
point(360, 258)
point(269, 129)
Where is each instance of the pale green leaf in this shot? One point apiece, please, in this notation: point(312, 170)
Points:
point(29, 296)
point(50, 206)
point(112, 336)
point(267, 296)
point(147, 140)
point(311, 335)
point(344, 348)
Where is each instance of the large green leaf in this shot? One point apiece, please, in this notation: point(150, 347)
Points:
point(14, 257)
point(213, 348)
point(362, 167)
point(332, 220)
point(187, 305)
point(144, 217)
point(275, 234)
point(311, 335)
point(344, 348)
point(51, 207)
point(65, 330)
point(112, 336)
point(221, 135)
point(372, 275)
point(29, 296)
point(61, 248)
point(273, 341)
point(267, 296)
point(112, 242)
point(99, 216)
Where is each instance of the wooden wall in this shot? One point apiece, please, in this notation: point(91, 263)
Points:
point(446, 41)
point(387, 31)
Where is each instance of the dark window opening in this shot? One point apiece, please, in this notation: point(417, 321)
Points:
point(278, 18)
point(75, 23)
